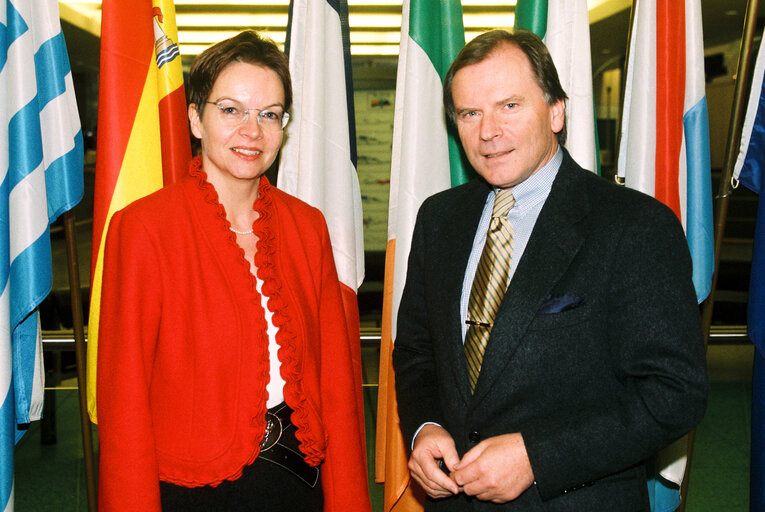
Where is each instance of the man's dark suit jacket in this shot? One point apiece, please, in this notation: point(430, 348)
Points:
point(596, 355)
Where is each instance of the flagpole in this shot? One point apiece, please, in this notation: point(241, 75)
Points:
point(743, 77)
point(79, 345)
point(623, 85)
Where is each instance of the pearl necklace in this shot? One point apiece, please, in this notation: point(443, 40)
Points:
point(240, 232)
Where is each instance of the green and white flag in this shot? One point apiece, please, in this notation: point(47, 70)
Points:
point(564, 26)
point(425, 160)
point(425, 156)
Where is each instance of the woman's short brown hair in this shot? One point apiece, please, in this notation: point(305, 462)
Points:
point(247, 47)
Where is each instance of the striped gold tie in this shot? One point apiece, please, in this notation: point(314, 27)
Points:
point(490, 283)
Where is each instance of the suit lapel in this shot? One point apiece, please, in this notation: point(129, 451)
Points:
point(458, 227)
point(554, 242)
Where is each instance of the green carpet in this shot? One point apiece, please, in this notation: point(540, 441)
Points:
point(52, 477)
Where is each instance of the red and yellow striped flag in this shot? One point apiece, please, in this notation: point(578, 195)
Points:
point(143, 138)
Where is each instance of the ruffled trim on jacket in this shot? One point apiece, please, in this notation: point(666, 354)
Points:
point(312, 444)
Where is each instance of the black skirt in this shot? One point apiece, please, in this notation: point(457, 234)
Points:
point(263, 486)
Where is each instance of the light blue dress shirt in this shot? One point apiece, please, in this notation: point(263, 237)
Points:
point(530, 195)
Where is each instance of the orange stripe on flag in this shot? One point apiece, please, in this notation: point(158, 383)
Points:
point(390, 452)
point(385, 390)
point(670, 96)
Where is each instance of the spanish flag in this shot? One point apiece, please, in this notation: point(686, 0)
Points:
point(143, 137)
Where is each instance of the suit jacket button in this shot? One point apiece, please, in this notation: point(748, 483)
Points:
point(474, 437)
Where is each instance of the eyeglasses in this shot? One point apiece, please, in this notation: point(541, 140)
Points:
point(233, 113)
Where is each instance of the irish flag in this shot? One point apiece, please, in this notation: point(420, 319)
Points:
point(143, 139)
point(425, 160)
point(564, 26)
point(664, 150)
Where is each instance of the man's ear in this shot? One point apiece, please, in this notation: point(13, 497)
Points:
point(557, 115)
point(195, 122)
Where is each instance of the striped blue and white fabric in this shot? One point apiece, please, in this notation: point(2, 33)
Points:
point(41, 162)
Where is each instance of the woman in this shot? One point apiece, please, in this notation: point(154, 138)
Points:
point(222, 314)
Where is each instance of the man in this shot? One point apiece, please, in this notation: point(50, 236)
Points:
point(593, 360)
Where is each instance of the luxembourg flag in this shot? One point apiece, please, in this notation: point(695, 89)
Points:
point(664, 150)
point(41, 159)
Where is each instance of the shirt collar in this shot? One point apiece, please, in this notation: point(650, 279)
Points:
point(537, 187)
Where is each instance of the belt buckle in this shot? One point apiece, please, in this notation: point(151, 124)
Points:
point(273, 431)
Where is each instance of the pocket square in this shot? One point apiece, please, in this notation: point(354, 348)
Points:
point(559, 303)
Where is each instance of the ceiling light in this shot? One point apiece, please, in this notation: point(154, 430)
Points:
point(187, 21)
point(375, 24)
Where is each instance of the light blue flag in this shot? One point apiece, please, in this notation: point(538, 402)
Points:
point(41, 176)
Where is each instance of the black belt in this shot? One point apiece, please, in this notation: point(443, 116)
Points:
point(273, 449)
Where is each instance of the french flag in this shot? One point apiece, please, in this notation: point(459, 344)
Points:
point(318, 161)
point(664, 149)
point(664, 152)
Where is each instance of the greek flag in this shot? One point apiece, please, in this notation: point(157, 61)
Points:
point(41, 159)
